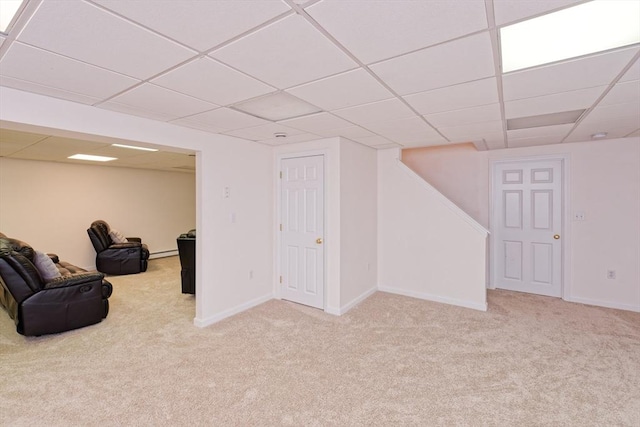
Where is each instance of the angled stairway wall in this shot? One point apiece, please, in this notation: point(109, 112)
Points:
point(427, 247)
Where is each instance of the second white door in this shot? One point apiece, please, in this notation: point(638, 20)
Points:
point(302, 230)
point(527, 226)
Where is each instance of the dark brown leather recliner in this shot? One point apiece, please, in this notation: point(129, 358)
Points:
point(75, 299)
point(117, 258)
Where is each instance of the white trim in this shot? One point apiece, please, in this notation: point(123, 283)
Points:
point(565, 160)
point(163, 254)
point(600, 303)
point(201, 323)
point(435, 298)
point(278, 216)
point(357, 300)
point(443, 199)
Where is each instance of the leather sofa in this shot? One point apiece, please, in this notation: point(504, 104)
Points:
point(130, 257)
point(187, 253)
point(74, 299)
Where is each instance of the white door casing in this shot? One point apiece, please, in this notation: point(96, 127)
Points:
point(527, 226)
point(302, 230)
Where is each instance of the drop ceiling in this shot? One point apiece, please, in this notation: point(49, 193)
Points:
point(396, 73)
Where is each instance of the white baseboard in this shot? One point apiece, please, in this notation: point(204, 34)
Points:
point(163, 254)
point(201, 323)
point(339, 311)
point(627, 307)
point(435, 298)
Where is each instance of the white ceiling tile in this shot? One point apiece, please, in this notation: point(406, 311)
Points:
point(534, 141)
point(459, 61)
point(404, 130)
point(482, 113)
point(632, 73)
point(554, 103)
point(506, 11)
point(316, 123)
point(616, 111)
point(373, 141)
point(46, 90)
point(591, 71)
point(195, 78)
point(135, 111)
point(293, 139)
point(456, 97)
point(80, 30)
point(615, 127)
point(159, 100)
point(349, 132)
point(265, 132)
point(273, 56)
point(389, 109)
point(472, 131)
point(196, 23)
point(622, 93)
point(343, 90)
point(197, 125)
point(61, 73)
point(382, 29)
point(224, 119)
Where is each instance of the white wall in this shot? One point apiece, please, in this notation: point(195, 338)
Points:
point(358, 223)
point(223, 285)
point(427, 247)
point(51, 205)
point(604, 183)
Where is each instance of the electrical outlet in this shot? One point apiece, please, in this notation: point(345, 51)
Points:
point(578, 216)
point(611, 274)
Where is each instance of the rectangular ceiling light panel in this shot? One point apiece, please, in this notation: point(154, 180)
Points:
point(91, 158)
point(588, 28)
point(132, 147)
point(8, 11)
point(552, 119)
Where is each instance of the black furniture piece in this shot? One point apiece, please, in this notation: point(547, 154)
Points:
point(117, 258)
point(74, 299)
point(187, 253)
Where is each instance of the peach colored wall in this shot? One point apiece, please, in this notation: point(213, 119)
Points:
point(604, 184)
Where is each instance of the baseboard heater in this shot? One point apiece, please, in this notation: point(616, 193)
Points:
point(163, 254)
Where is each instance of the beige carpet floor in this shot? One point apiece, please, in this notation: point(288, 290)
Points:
point(390, 361)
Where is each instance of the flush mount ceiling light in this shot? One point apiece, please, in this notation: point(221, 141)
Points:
point(134, 147)
point(580, 30)
point(276, 106)
point(92, 158)
point(552, 119)
point(8, 11)
point(280, 135)
point(599, 135)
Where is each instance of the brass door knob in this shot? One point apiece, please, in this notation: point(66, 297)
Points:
point(319, 240)
point(556, 236)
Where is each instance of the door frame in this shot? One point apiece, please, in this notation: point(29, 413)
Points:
point(277, 218)
point(565, 274)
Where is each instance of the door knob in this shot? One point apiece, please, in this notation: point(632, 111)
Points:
point(556, 236)
point(319, 240)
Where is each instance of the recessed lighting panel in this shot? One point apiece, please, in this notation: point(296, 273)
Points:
point(92, 158)
point(8, 10)
point(276, 106)
point(552, 119)
point(134, 147)
point(588, 28)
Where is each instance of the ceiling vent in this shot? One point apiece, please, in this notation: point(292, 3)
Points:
point(552, 119)
point(276, 106)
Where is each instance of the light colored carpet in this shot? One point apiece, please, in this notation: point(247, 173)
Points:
point(392, 360)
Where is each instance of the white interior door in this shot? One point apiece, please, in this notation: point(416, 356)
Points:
point(527, 226)
point(302, 230)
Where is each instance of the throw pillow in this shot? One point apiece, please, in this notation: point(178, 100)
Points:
point(47, 269)
point(117, 237)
